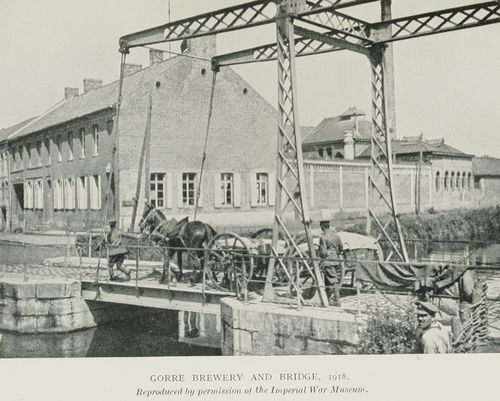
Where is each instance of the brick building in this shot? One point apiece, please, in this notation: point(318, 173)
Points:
point(61, 163)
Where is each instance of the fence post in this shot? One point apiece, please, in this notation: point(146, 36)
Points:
point(299, 290)
point(25, 263)
point(90, 244)
point(137, 266)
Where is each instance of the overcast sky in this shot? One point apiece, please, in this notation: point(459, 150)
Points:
point(447, 86)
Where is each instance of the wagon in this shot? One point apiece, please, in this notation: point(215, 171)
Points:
point(231, 260)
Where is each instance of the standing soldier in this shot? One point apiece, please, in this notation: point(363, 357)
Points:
point(432, 337)
point(330, 249)
point(117, 251)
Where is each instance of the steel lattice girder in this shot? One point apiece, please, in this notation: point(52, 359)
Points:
point(441, 21)
point(363, 34)
point(242, 16)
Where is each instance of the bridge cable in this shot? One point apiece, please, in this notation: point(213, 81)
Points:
point(210, 109)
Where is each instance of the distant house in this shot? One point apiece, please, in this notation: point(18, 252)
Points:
point(486, 172)
point(344, 136)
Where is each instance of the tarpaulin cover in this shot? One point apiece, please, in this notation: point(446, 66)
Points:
point(394, 275)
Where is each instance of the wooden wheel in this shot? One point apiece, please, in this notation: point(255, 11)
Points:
point(229, 262)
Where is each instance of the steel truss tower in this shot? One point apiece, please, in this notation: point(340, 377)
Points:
point(308, 27)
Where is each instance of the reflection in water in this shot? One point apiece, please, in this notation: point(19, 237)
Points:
point(199, 329)
point(165, 333)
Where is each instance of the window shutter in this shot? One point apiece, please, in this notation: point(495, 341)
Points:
point(237, 190)
point(99, 193)
point(168, 190)
point(272, 189)
point(217, 191)
point(25, 201)
point(179, 190)
point(253, 189)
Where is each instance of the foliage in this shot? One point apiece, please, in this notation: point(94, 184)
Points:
point(388, 331)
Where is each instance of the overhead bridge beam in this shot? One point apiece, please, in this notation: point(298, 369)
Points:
point(247, 15)
point(340, 36)
point(446, 20)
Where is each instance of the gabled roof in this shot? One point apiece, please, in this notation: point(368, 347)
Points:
point(332, 129)
point(5, 132)
point(352, 111)
point(95, 100)
point(436, 147)
point(485, 166)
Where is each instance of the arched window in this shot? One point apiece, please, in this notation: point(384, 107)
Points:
point(459, 182)
point(464, 182)
point(446, 181)
point(452, 181)
point(438, 181)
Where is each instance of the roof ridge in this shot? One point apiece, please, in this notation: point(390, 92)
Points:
point(54, 107)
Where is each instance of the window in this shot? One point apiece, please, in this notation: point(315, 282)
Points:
point(28, 194)
point(38, 194)
point(95, 139)
point(58, 195)
point(69, 193)
point(82, 193)
point(469, 181)
point(47, 150)
point(464, 182)
point(329, 152)
point(70, 146)
point(262, 182)
point(227, 189)
point(109, 126)
point(20, 157)
point(452, 181)
point(95, 192)
point(188, 189)
point(446, 181)
point(438, 181)
point(28, 151)
point(38, 153)
point(58, 146)
point(320, 152)
point(157, 187)
point(82, 143)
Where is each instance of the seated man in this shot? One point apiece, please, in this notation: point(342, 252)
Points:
point(432, 337)
point(330, 249)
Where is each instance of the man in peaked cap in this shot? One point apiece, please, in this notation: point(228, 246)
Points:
point(330, 249)
point(432, 337)
point(117, 251)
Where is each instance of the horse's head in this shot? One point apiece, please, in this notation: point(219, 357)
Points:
point(148, 219)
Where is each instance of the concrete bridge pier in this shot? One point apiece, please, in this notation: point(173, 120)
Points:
point(270, 329)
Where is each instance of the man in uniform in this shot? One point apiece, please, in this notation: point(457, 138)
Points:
point(117, 251)
point(432, 336)
point(330, 249)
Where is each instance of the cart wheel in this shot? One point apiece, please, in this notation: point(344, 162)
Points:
point(229, 263)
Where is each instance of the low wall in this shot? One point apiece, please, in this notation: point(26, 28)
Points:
point(42, 306)
point(270, 329)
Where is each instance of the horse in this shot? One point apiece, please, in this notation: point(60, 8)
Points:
point(177, 235)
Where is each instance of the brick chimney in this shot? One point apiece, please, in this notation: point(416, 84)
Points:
point(348, 146)
point(130, 69)
point(155, 56)
point(91, 84)
point(203, 46)
point(70, 92)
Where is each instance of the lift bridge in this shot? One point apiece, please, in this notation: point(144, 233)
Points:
point(307, 28)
